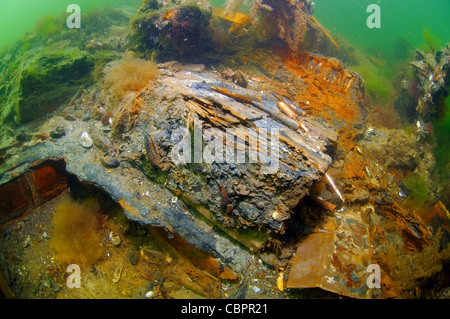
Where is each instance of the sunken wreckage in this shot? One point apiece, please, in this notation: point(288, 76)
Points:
point(271, 137)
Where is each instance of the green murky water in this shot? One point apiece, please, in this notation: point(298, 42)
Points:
point(400, 20)
point(20, 16)
point(405, 26)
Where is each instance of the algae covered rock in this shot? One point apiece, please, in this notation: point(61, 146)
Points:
point(45, 68)
point(42, 82)
point(179, 33)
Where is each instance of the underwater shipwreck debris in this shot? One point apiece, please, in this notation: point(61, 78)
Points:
point(339, 258)
point(240, 20)
point(23, 192)
point(282, 14)
point(233, 95)
point(303, 157)
point(240, 113)
point(233, 198)
point(297, 110)
point(331, 71)
point(330, 260)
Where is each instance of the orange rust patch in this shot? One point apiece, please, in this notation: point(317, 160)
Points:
point(439, 211)
point(127, 207)
point(15, 196)
point(48, 182)
point(378, 235)
point(354, 167)
point(31, 189)
point(347, 139)
point(327, 86)
point(347, 269)
point(414, 237)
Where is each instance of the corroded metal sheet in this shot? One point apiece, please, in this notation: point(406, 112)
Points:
point(31, 189)
point(335, 259)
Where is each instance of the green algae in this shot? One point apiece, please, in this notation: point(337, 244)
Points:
point(432, 41)
point(48, 25)
point(417, 184)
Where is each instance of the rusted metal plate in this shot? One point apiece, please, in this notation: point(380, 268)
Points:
point(47, 181)
point(36, 186)
point(15, 197)
point(312, 254)
point(335, 259)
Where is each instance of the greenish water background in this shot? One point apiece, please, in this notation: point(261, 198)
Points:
point(399, 19)
point(20, 16)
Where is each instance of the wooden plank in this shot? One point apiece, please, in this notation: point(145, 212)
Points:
point(295, 140)
point(321, 130)
point(239, 110)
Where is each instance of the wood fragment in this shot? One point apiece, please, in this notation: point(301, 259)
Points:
point(213, 115)
point(235, 96)
point(202, 101)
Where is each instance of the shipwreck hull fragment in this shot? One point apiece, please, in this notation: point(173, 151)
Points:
point(250, 155)
point(335, 259)
point(227, 208)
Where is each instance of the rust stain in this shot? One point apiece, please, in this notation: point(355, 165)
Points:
point(328, 85)
point(346, 269)
point(127, 207)
point(14, 196)
point(359, 233)
point(414, 231)
point(335, 262)
point(42, 183)
point(48, 182)
point(354, 167)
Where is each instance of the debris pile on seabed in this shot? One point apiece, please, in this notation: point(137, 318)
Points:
point(255, 173)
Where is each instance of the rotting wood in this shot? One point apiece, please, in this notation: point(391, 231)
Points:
point(330, 134)
point(264, 166)
point(236, 96)
point(218, 118)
